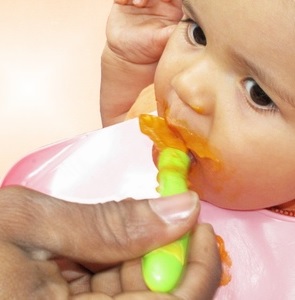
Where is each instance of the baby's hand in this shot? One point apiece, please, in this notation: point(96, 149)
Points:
point(137, 34)
point(138, 30)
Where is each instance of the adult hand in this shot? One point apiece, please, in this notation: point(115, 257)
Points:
point(52, 249)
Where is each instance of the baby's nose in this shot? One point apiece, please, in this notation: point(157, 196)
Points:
point(197, 86)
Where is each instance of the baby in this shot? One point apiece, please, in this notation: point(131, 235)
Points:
point(226, 77)
point(223, 74)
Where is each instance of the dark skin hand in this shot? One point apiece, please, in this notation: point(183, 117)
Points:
point(52, 249)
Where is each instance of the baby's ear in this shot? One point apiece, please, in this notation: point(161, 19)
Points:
point(145, 103)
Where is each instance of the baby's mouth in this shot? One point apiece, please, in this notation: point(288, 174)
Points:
point(194, 160)
point(197, 145)
point(174, 135)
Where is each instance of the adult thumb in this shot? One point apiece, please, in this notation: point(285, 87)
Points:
point(102, 233)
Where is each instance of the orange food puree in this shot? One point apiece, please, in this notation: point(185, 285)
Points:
point(225, 260)
point(196, 143)
point(160, 133)
point(179, 137)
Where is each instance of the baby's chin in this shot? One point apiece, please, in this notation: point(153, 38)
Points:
point(218, 188)
point(226, 202)
point(229, 199)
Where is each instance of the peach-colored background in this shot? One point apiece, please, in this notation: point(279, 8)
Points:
point(49, 72)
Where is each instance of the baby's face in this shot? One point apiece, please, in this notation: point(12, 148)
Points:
point(228, 76)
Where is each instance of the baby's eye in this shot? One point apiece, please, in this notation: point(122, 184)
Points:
point(258, 96)
point(196, 34)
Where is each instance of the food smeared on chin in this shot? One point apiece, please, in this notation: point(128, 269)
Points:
point(206, 162)
point(196, 143)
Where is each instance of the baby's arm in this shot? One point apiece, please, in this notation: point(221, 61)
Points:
point(136, 37)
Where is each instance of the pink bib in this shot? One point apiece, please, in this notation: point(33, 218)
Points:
point(115, 163)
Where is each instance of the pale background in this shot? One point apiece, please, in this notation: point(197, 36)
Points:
point(49, 72)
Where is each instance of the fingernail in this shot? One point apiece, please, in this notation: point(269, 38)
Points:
point(174, 209)
point(137, 2)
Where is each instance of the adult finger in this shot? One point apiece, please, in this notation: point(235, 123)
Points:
point(101, 233)
point(203, 273)
point(25, 278)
